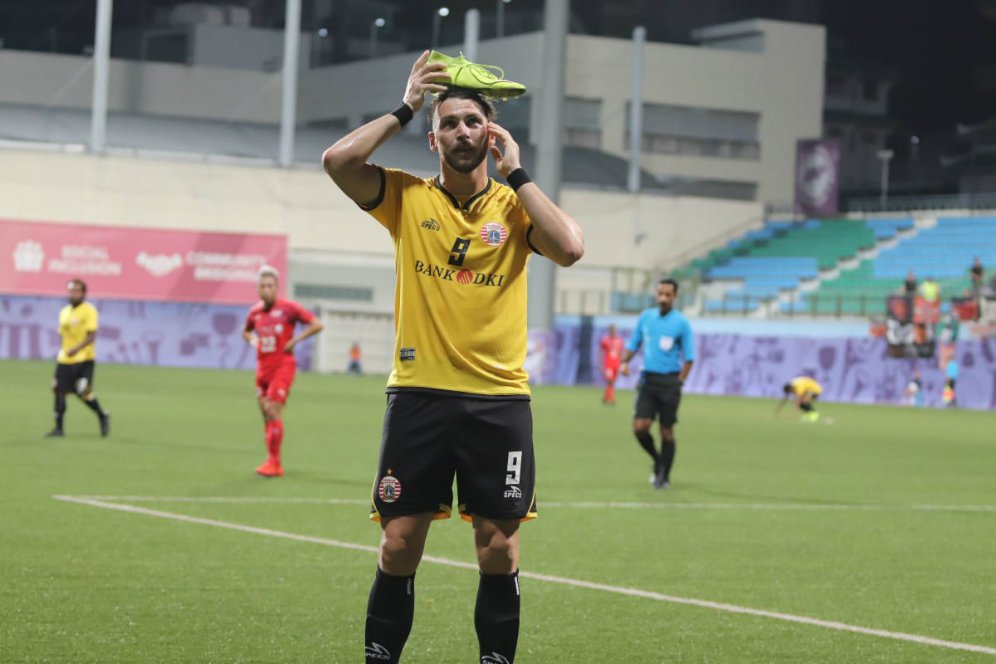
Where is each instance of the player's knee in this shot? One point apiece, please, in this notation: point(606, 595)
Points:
point(641, 426)
point(667, 433)
point(497, 546)
point(271, 410)
point(498, 556)
point(399, 553)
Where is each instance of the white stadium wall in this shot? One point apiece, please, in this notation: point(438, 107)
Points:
point(327, 233)
point(768, 70)
point(66, 81)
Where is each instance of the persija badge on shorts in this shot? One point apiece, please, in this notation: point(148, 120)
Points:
point(389, 489)
point(493, 234)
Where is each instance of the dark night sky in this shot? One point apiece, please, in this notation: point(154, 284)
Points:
point(942, 51)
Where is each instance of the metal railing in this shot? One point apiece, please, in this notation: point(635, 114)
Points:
point(873, 204)
point(808, 305)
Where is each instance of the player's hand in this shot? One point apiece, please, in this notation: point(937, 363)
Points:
point(289, 348)
point(72, 351)
point(624, 368)
point(504, 149)
point(424, 78)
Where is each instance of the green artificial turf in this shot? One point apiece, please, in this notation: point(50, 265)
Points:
point(841, 523)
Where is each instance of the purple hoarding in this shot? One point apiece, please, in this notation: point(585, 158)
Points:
point(157, 333)
point(853, 370)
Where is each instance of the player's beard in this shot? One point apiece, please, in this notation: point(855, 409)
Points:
point(468, 164)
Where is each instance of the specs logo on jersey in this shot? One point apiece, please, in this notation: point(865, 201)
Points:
point(430, 224)
point(494, 658)
point(493, 234)
point(376, 651)
point(463, 277)
point(513, 492)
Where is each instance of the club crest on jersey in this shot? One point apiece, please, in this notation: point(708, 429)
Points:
point(278, 328)
point(389, 489)
point(493, 234)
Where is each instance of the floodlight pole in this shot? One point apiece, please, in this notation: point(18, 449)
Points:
point(542, 272)
point(471, 33)
point(885, 156)
point(288, 79)
point(101, 65)
point(636, 111)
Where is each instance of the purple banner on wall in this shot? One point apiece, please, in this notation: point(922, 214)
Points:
point(853, 370)
point(816, 172)
point(157, 333)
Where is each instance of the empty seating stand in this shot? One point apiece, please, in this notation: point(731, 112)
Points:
point(944, 252)
point(783, 254)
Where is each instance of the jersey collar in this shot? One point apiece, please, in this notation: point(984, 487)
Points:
point(453, 199)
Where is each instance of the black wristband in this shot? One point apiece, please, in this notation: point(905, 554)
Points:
point(517, 178)
point(404, 113)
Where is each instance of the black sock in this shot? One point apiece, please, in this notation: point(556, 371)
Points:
point(390, 611)
point(94, 405)
point(60, 409)
point(668, 448)
point(647, 443)
point(496, 616)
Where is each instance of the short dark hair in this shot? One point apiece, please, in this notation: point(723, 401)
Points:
point(787, 388)
point(78, 282)
point(668, 280)
point(490, 113)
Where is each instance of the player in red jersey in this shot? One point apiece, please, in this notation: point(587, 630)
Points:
point(612, 349)
point(270, 329)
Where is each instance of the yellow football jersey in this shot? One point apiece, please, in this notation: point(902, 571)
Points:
point(74, 323)
point(460, 292)
point(805, 384)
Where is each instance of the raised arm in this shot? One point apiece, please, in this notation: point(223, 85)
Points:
point(346, 161)
point(555, 233)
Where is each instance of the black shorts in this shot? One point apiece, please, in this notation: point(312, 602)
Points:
point(659, 396)
point(76, 378)
point(487, 443)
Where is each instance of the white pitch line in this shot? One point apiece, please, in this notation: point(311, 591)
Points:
point(575, 583)
point(275, 500)
point(802, 507)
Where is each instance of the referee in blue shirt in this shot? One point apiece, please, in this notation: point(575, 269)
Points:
point(668, 353)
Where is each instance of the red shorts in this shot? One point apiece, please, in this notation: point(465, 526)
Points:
point(274, 383)
point(611, 373)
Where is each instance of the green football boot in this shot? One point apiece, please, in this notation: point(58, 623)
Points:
point(486, 79)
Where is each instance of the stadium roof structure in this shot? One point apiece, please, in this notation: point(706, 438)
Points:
point(195, 139)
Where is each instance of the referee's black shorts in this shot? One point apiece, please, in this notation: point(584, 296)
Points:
point(430, 437)
point(76, 378)
point(659, 397)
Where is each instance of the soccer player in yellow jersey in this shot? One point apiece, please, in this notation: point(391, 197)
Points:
point(458, 397)
point(804, 391)
point(74, 366)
